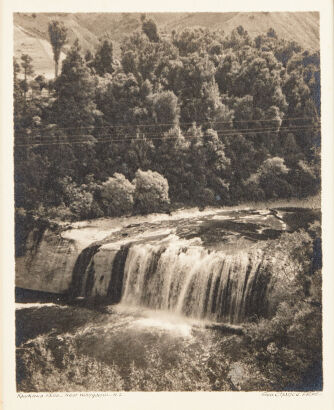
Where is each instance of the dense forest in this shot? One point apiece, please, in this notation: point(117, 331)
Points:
point(197, 117)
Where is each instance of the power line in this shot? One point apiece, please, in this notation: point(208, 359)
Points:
point(296, 127)
point(153, 137)
point(187, 123)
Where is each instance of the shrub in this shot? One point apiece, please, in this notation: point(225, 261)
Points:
point(286, 345)
point(54, 364)
point(117, 195)
point(96, 211)
point(77, 198)
point(272, 178)
point(304, 179)
point(81, 203)
point(205, 196)
point(151, 194)
point(165, 107)
point(61, 212)
point(274, 166)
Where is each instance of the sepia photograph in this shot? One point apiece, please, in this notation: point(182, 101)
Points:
point(167, 192)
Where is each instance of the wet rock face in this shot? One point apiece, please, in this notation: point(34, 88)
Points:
point(47, 264)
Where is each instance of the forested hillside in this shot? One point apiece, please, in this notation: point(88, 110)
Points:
point(218, 119)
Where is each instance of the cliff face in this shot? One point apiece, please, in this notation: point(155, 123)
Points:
point(47, 263)
point(46, 252)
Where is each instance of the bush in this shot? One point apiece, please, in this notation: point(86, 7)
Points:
point(272, 178)
point(61, 212)
point(117, 195)
point(77, 198)
point(81, 203)
point(274, 166)
point(288, 343)
point(151, 194)
point(54, 364)
point(165, 107)
point(205, 196)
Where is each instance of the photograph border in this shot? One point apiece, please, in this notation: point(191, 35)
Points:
point(196, 400)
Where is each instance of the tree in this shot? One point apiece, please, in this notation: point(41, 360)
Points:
point(28, 72)
point(117, 195)
point(17, 69)
point(58, 36)
point(27, 66)
point(171, 160)
point(165, 108)
point(104, 58)
point(119, 100)
point(274, 166)
point(192, 40)
point(145, 59)
point(272, 178)
point(77, 198)
point(88, 56)
point(17, 90)
point(35, 88)
point(239, 37)
point(41, 81)
point(271, 33)
point(151, 194)
point(198, 95)
point(75, 90)
point(216, 164)
point(150, 29)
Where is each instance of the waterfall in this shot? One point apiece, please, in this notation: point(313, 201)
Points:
point(83, 273)
point(117, 275)
point(176, 276)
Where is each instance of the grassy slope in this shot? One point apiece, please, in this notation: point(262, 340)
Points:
point(31, 37)
point(301, 27)
point(38, 48)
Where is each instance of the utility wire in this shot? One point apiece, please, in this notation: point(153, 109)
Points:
point(186, 123)
point(154, 137)
point(293, 127)
point(237, 131)
point(164, 136)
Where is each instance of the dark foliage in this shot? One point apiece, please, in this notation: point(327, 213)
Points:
point(223, 118)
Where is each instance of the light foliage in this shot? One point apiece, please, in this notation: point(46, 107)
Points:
point(117, 195)
point(151, 194)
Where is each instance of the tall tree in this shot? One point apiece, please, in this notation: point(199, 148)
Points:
point(27, 66)
point(28, 72)
point(58, 36)
point(17, 69)
point(150, 29)
point(104, 58)
point(75, 90)
point(165, 108)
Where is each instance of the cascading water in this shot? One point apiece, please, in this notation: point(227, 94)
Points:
point(176, 276)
